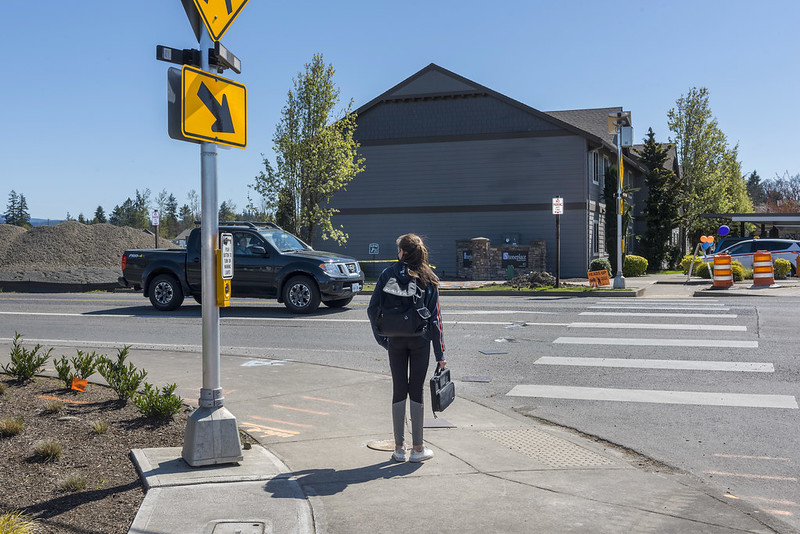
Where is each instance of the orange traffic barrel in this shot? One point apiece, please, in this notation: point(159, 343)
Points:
point(763, 274)
point(723, 273)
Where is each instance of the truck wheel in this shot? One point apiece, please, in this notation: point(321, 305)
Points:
point(338, 303)
point(300, 295)
point(165, 292)
point(198, 299)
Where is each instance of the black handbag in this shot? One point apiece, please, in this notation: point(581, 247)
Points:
point(443, 391)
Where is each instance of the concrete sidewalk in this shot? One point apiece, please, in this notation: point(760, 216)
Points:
point(325, 467)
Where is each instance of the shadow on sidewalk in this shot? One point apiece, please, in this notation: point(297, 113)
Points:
point(323, 482)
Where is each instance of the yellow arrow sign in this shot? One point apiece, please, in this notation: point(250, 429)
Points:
point(214, 109)
point(218, 15)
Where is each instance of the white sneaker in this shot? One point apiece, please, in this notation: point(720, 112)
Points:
point(399, 455)
point(418, 456)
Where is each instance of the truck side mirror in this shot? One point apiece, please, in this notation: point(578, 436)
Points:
point(258, 250)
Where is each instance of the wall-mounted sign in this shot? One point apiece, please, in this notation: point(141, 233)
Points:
point(466, 259)
point(518, 259)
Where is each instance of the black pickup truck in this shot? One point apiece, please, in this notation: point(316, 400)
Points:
point(268, 262)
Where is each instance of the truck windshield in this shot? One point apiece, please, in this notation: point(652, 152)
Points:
point(283, 241)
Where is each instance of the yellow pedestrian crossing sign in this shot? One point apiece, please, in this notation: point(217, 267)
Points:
point(218, 15)
point(213, 108)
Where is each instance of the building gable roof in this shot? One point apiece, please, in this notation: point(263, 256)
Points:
point(436, 82)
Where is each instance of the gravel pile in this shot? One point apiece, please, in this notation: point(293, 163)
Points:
point(70, 252)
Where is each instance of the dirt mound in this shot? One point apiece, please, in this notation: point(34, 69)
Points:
point(69, 252)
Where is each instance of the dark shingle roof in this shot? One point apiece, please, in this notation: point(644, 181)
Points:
point(593, 121)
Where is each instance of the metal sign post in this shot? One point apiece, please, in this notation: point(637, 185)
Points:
point(212, 435)
point(558, 209)
point(154, 219)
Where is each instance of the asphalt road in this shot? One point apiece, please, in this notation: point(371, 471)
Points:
point(705, 385)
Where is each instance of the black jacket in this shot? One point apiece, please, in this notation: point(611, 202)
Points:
point(431, 300)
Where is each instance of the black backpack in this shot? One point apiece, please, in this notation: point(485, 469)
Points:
point(402, 312)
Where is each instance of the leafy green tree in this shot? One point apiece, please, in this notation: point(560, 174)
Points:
point(712, 177)
point(662, 205)
point(316, 156)
point(81, 218)
point(99, 215)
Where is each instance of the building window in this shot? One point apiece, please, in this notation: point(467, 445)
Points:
point(595, 167)
point(596, 237)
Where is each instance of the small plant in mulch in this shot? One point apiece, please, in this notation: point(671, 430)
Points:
point(533, 280)
point(159, 404)
point(16, 522)
point(99, 427)
point(85, 364)
point(52, 407)
point(48, 450)
point(3, 388)
point(72, 483)
point(25, 364)
point(124, 380)
point(11, 426)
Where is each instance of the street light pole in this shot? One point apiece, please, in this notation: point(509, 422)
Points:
point(619, 280)
point(617, 121)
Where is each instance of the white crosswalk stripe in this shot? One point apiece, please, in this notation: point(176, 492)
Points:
point(695, 317)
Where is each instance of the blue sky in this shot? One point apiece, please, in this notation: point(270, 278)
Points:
point(85, 99)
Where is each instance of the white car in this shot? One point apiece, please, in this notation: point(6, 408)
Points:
point(743, 251)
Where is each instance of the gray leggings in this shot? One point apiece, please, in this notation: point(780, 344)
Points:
point(408, 359)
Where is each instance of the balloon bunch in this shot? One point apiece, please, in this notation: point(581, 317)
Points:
point(707, 241)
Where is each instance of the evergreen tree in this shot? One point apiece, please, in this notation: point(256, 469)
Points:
point(316, 156)
point(12, 209)
point(81, 218)
point(661, 207)
point(227, 211)
point(755, 189)
point(99, 216)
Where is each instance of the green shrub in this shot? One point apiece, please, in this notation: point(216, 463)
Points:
point(160, 404)
point(601, 263)
point(2, 388)
point(700, 268)
point(633, 265)
point(11, 426)
point(123, 380)
point(703, 270)
point(48, 450)
point(738, 271)
point(15, 522)
point(782, 268)
point(63, 369)
point(25, 364)
point(84, 364)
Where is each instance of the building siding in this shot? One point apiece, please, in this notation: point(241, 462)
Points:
point(461, 190)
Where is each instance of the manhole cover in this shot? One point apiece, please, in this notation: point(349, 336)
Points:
point(381, 445)
point(546, 448)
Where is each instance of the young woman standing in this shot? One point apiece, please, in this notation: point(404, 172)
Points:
point(409, 356)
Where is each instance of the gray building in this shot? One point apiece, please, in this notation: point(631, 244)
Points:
point(452, 160)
